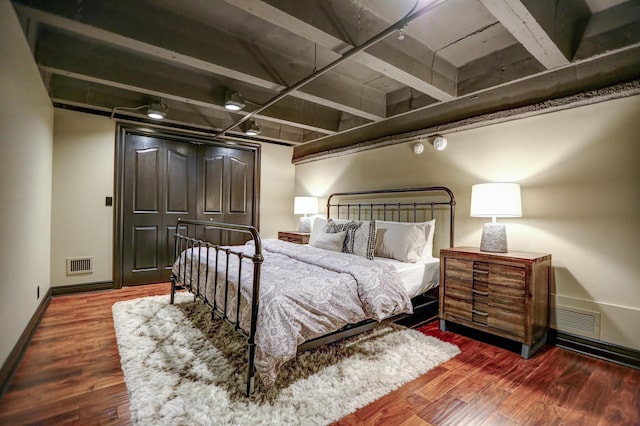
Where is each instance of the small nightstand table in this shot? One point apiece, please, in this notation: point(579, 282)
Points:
point(294, 237)
point(505, 294)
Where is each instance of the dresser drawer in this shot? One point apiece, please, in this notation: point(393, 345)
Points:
point(460, 289)
point(509, 321)
point(458, 308)
point(461, 270)
point(504, 297)
point(507, 275)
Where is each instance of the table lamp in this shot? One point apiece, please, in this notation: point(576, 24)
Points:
point(495, 200)
point(304, 206)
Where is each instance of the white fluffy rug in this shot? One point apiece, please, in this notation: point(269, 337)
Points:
point(182, 369)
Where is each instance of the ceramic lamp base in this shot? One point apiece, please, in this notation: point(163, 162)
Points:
point(305, 224)
point(494, 238)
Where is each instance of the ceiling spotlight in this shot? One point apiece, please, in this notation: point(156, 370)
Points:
point(157, 111)
point(401, 34)
point(233, 101)
point(439, 142)
point(418, 148)
point(252, 128)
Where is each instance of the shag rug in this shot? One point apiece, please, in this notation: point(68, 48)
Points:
point(181, 368)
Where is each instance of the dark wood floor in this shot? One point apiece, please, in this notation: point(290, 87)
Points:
point(71, 374)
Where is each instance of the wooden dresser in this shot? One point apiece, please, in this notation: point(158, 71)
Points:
point(505, 294)
point(294, 237)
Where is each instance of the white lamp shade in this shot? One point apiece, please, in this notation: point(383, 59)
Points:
point(305, 205)
point(496, 200)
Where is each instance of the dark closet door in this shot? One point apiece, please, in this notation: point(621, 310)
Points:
point(159, 186)
point(225, 190)
point(165, 179)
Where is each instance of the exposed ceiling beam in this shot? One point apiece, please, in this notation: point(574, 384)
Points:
point(586, 98)
point(179, 98)
point(347, 99)
point(110, 72)
point(521, 23)
point(582, 76)
point(610, 29)
point(93, 96)
point(295, 25)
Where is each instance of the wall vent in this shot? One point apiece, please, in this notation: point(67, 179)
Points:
point(79, 265)
point(576, 321)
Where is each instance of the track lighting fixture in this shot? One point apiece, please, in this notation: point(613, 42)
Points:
point(401, 34)
point(252, 128)
point(439, 142)
point(157, 111)
point(233, 101)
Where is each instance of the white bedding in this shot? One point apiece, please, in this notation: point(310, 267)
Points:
point(418, 277)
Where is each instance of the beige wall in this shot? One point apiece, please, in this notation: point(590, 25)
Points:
point(276, 192)
point(26, 126)
point(83, 175)
point(580, 177)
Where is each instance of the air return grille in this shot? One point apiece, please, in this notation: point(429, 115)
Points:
point(576, 321)
point(79, 265)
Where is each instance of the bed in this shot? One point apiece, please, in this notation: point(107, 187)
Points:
point(370, 260)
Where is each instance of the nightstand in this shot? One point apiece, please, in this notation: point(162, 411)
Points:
point(505, 294)
point(294, 237)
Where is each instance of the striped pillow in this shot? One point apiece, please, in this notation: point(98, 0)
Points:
point(360, 239)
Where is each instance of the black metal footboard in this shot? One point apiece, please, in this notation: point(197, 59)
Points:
point(190, 274)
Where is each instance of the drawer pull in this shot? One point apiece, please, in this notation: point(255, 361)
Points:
point(480, 272)
point(480, 293)
point(482, 314)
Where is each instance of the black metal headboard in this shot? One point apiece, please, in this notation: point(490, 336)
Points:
point(432, 198)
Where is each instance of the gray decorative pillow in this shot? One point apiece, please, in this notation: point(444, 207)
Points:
point(360, 239)
point(333, 241)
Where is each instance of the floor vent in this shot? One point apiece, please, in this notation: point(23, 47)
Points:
point(79, 265)
point(576, 321)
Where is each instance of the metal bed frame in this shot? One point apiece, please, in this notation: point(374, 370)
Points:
point(184, 242)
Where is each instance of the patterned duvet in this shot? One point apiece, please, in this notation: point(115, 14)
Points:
point(305, 292)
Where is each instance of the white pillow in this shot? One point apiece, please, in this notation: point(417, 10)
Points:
point(329, 241)
point(401, 240)
point(317, 229)
point(427, 253)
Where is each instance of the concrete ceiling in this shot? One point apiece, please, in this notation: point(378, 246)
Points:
point(307, 78)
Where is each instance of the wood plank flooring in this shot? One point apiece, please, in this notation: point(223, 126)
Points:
point(71, 374)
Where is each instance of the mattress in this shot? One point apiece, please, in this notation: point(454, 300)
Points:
point(418, 277)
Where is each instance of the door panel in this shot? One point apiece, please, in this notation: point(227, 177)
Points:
point(237, 186)
point(213, 182)
point(159, 187)
point(147, 179)
point(241, 165)
point(225, 189)
point(177, 179)
point(141, 209)
point(145, 242)
point(179, 192)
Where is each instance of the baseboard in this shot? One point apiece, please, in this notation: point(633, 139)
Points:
point(62, 290)
point(584, 345)
point(13, 360)
point(596, 348)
